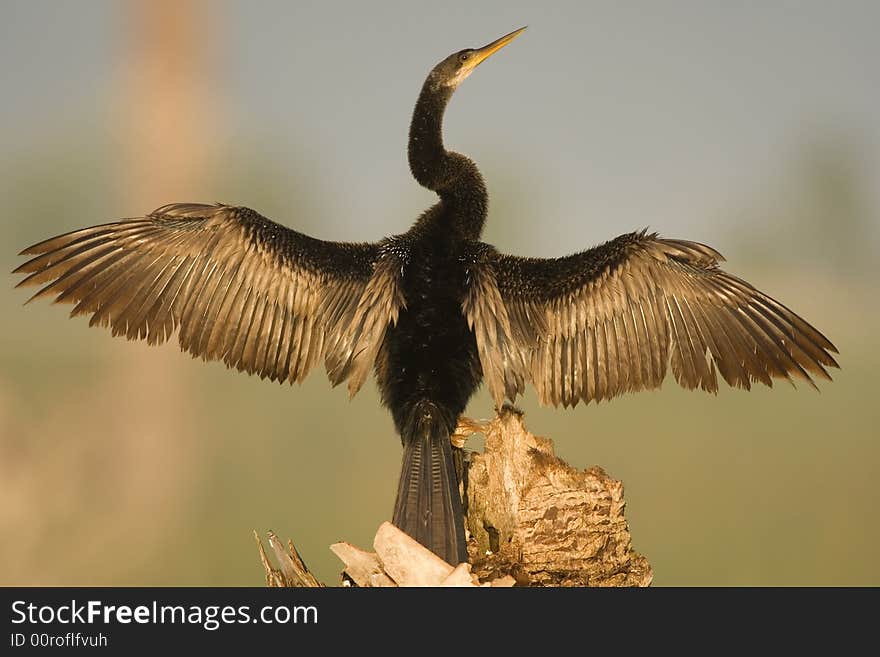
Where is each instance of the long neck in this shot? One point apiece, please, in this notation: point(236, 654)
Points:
point(453, 176)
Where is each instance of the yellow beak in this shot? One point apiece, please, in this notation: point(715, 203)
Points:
point(481, 54)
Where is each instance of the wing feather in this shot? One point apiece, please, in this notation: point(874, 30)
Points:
point(612, 319)
point(235, 286)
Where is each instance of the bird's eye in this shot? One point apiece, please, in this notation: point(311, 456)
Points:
point(463, 57)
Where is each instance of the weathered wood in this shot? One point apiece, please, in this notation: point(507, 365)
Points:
point(534, 517)
point(461, 576)
point(406, 561)
point(363, 568)
point(533, 520)
point(292, 571)
point(401, 561)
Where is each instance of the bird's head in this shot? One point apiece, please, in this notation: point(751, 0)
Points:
point(452, 71)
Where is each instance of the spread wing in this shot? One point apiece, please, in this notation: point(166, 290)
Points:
point(239, 288)
point(610, 320)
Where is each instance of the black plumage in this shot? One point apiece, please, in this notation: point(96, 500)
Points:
point(434, 311)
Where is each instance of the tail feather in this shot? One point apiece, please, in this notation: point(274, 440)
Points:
point(428, 505)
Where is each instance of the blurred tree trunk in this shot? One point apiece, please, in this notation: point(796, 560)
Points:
point(167, 117)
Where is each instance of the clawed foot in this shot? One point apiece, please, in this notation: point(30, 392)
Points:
point(466, 428)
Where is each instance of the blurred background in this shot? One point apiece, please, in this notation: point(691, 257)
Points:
point(753, 127)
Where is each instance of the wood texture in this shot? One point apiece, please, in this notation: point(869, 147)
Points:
point(534, 517)
point(291, 572)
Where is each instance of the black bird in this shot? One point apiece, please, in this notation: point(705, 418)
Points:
point(434, 311)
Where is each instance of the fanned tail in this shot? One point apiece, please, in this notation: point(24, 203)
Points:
point(428, 505)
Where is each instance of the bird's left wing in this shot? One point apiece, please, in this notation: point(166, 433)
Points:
point(261, 297)
point(609, 320)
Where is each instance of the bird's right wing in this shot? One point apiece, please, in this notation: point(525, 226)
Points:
point(609, 320)
point(262, 298)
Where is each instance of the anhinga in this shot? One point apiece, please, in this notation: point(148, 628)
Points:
point(434, 311)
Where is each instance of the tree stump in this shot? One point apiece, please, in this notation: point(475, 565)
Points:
point(532, 519)
point(533, 516)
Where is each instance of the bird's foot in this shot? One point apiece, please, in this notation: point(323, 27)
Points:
point(466, 428)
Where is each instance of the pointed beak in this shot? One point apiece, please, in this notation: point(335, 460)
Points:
point(481, 54)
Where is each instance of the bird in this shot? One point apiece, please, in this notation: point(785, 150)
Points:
point(433, 313)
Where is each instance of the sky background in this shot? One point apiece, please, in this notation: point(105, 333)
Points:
point(753, 127)
point(582, 116)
